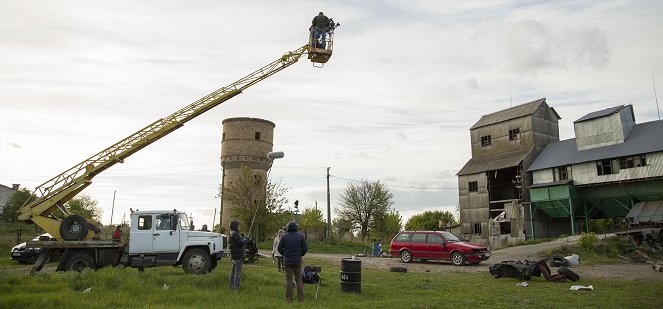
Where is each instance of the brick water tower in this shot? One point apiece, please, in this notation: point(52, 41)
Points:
point(245, 141)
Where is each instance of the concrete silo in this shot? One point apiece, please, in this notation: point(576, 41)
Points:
point(245, 141)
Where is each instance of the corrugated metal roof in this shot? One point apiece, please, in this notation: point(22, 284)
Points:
point(644, 138)
point(601, 113)
point(494, 162)
point(510, 113)
point(643, 212)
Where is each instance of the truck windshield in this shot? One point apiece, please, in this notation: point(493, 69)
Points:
point(184, 222)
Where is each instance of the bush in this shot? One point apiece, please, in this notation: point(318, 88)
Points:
point(587, 242)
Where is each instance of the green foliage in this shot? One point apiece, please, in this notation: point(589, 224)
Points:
point(340, 227)
point(587, 242)
point(257, 203)
point(85, 206)
point(312, 217)
point(386, 226)
point(429, 220)
point(362, 202)
point(606, 225)
point(15, 202)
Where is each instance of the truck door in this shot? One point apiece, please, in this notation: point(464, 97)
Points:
point(166, 234)
point(140, 238)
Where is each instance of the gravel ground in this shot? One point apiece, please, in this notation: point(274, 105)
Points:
point(629, 271)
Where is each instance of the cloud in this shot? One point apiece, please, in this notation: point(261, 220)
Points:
point(9, 145)
point(530, 45)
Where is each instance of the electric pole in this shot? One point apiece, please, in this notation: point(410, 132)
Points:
point(329, 235)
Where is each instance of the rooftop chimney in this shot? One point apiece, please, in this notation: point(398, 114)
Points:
point(15, 186)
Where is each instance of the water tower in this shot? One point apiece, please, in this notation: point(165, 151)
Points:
point(246, 141)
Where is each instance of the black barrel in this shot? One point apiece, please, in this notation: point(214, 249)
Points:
point(350, 275)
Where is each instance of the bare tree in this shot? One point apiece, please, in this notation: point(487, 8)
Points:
point(362, 202)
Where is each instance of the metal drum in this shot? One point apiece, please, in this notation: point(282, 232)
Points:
point(350, 275)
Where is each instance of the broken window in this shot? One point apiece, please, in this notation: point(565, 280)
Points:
point(474, 186)
point(485, 141)
point(505, 227)
point(606, 167)
point(514, 134)
point(477, 228)
point(633, 161)
point(562, 173)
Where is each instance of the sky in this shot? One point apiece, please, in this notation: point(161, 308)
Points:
point(406, 81)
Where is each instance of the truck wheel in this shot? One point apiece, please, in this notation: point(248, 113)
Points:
point(80, 261)
point(197, 261)
point(73, 227)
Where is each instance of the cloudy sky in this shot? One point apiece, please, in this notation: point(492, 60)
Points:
point(395, 103)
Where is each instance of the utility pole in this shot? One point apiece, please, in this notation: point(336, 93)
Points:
point(329, 235)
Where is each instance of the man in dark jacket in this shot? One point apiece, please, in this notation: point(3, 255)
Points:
point(319, 27)
point(236, 245)
point(293, 246)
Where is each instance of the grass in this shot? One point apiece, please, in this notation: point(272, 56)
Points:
point(262, 287)
point(603, 251)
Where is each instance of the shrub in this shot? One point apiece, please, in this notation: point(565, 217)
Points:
point(587, 242)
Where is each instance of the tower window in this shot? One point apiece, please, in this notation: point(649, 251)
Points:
point(514, 134)
point(257, 136)
point(485, 141)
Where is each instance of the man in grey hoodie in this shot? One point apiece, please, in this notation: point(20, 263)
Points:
point(236, 244)
point(293, 246)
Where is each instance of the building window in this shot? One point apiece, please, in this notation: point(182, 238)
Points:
point(485, 141)
point(633, 161)
point(562, 173)
point(605, 167)
point(514, 134)
point(477, 228)
point(474, 186)
point(257, 136)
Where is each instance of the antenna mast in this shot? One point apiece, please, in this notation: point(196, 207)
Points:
point(655, 95)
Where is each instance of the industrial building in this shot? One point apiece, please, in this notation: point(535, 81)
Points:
point(523, 183)
point(6, 193)
point(612, 168)
point(493, 184)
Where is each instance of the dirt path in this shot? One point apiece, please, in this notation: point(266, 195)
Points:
point(627, 271)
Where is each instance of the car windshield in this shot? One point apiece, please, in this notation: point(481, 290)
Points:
point(184, 222)
point(451, 237)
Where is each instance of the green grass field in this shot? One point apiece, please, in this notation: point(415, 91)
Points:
point(262, 287)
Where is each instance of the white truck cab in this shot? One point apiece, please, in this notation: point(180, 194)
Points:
point(162, 237)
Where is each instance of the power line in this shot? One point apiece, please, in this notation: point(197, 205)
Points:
point(404, 187)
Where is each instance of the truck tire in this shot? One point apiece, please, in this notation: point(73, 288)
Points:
point(80, 261)
point(73, 227)
point(197, 261)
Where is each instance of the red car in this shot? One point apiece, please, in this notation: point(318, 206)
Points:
point(436, 245)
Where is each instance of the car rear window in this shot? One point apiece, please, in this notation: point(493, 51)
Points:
point(419, 238)
point(403, 237)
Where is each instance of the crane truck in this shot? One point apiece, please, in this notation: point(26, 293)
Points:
point(157, 238)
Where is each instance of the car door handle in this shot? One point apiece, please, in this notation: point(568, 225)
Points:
point(156, 234)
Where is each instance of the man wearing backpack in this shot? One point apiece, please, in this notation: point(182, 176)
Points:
point(293, 246)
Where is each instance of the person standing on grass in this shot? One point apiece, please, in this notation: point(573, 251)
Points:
point(275, 250)
point(236, 244)
point(293, 246)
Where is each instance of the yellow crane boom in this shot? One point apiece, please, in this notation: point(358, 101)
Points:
point(54, 193)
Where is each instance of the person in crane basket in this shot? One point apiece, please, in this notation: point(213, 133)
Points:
point(319, 28)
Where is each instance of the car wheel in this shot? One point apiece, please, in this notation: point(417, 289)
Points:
point(73, 227)
point(457, 258)
point(80, 261)
point(406, 256)
point(197, 261)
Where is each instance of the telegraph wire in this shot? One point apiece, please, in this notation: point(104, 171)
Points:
point(396, 186)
